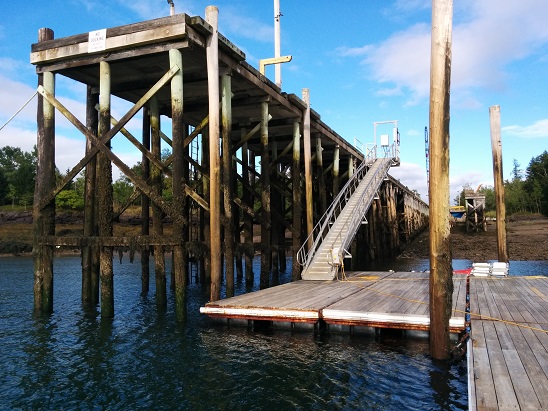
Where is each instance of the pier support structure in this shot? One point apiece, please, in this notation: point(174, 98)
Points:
point(259, 192)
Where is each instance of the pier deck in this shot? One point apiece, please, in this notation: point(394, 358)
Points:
point(508, 353)
point(365, 299)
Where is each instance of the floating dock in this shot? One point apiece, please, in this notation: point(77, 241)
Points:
point(508, 352)
point(363, 299)
point(508, 349)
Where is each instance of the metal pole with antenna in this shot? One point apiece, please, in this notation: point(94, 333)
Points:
point(278, 67)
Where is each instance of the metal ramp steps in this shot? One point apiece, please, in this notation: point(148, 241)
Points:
point(337, 228)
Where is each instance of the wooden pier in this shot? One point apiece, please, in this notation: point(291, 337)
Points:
point(508, 349)
point(242, 155)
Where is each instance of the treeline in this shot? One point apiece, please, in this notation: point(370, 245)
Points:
point(525, 192)
point(18, 173)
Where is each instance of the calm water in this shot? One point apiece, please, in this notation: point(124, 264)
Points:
point(143, 359)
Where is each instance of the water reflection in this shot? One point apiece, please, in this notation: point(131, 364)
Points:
point(143, 358)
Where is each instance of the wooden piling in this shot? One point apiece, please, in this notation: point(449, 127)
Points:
point(145, 206)
point(44, 219)
point(157, 214)
point(92, 99)
point(322, 192)
point(178, 152)
point(308, 168)
point(248, 180)
point(297, 199)
point(104, 187)
point(336, 171)
point(226, 129)
point(212, 54)
point(266, 250)
point(496, 146)
point(441, 284)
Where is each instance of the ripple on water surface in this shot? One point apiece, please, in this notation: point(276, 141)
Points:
point(143, 359)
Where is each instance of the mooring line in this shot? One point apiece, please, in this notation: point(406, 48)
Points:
point(18, 111)
point(455, 310)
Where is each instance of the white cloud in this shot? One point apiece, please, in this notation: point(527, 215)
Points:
point(488, 36)
point(539, 129)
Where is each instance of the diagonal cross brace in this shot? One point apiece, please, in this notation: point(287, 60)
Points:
point(100, 144)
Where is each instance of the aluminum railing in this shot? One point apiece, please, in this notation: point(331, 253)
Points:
point(306, 255)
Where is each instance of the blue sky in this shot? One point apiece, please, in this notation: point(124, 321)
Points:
point(363, 61)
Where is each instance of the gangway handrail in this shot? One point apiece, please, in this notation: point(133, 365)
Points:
point(321, 229)
point(364, 203)
point(304, 256)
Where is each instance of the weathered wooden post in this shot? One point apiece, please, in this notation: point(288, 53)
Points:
point(248, 184)
point(266, 252)
point(297, 199)
point(336, 171)
point(205, 230)
point(178, 149)
point(308, 168)
point(320, 176)
point(226, 113)
point(441, 280)
point(496, 147)
point(44, 218)
point(212, 53)
point(157, 214)
point(88, 294)
point(145, 206)
point(104, 187)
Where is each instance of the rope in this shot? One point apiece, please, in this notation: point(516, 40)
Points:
point(18, 111)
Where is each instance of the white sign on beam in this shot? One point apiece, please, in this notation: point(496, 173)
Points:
point(97, 40)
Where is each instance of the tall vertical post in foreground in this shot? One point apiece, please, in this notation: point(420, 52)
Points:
point(212, 53)
point(441, 272)
point(44, 219)
point(308, 168)
point(496, 147)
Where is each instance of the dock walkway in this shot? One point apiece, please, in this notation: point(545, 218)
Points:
point(508, 349)
point(364, 299)
point(508, 352)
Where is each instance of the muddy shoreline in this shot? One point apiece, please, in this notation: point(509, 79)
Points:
point(527, 237)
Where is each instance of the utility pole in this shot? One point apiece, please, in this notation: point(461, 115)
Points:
point(277, 47)
point(441, 272)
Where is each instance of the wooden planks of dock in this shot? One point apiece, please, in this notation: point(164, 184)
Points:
point(508, 364)
point(508, 349)
point(363, 299)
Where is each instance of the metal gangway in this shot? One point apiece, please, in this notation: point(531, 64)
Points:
point(323, 252)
